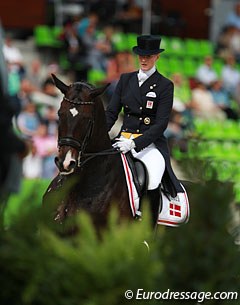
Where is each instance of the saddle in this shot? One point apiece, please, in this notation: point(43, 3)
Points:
point(175, 209)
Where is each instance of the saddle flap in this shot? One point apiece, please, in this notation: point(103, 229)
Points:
point(139, 172)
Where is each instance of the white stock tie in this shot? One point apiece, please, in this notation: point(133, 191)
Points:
point(142, 77)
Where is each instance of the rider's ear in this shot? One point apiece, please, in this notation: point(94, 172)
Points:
point(59, 84)
point(97, 91)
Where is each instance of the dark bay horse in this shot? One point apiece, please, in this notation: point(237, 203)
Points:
point(86, 156)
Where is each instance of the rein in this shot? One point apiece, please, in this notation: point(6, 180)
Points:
point(107, 152)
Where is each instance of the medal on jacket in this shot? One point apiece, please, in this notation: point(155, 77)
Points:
point(147, 120)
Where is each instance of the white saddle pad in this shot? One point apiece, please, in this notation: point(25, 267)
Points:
point(175, 211)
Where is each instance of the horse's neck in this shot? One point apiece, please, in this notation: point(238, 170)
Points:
point(100, 139)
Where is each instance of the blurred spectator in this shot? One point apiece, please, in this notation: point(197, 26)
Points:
point(234, 43)
point(205, 73)
point(96, 49)
point(32, 164)
point(82, 26)
point(14, 86)
point(36, 72)
point(47, 94)
point(231, 77)
point(174, 129)
point(75, 50)
point(106, 40)
point(223, 45)
point(29, 120)
point(120, 62)
point(84, 23)
point(182, 95)
point(14, 81)
point(202, 104)
point(13, 56)
point(51, 120)
point(233, 18)
point(175, 132)
point(46, 148)
point(222, 100)
point(182, 90)
point(229, 42)
point(129, 17)
point(72, 42)
point(42, 97)
point(26, 90)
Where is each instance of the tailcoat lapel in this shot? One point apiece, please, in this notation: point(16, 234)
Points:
point(151, 83)
point(133, 83)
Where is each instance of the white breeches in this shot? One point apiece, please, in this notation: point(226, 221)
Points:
point(154, 162)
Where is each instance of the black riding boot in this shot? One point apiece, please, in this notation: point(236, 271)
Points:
point(154, 200)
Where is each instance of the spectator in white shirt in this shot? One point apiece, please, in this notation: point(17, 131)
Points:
point(233, 18)
point(203, 106)
point(32, 164)
point(205, 73)
point(13, 56)
point(231, 77)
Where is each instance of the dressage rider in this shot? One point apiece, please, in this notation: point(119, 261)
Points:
point(147, 98)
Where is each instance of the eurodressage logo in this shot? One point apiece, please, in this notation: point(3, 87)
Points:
point(200, 297)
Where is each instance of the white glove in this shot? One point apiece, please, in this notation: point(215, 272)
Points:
point(124, 145)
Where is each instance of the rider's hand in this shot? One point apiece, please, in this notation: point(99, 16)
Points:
point(124, 145)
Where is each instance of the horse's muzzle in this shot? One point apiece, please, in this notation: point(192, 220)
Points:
point(64, 167)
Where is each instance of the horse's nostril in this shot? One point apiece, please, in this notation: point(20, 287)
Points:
point(72, 164)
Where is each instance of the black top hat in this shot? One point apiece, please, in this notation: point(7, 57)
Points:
point(147, 45)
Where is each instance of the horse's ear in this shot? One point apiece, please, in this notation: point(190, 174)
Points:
point(98, 91)
point(59, 84)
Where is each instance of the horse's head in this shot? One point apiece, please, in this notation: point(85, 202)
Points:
point(77, 115)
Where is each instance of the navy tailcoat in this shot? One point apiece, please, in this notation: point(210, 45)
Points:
point(146, 111)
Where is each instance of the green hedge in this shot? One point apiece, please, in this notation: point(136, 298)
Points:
point(40, 267)
point(29, 197)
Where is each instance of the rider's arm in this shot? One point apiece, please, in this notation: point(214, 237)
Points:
point(114, 107)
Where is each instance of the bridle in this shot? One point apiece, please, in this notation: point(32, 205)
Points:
point(70, 141)
point(81, 146)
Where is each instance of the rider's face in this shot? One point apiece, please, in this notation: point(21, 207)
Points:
point(147, 61)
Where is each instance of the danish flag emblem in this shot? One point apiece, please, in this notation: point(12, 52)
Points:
point(149, 104)
point(175, 209)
